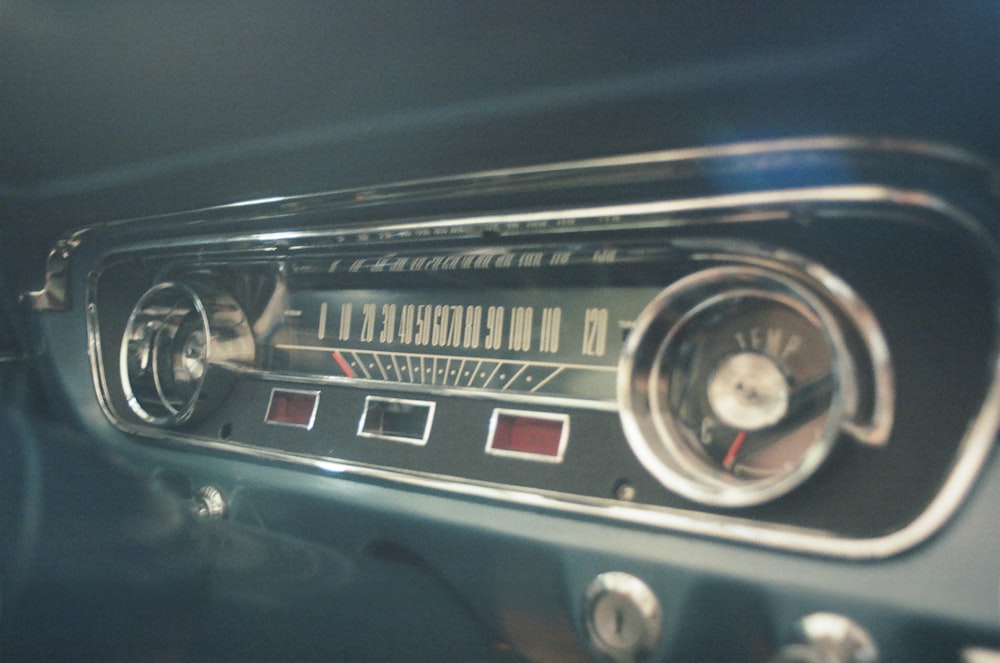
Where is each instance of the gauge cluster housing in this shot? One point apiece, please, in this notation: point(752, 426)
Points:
point(569, 255)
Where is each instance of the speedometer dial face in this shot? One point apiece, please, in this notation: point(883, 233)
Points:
point(556, 343)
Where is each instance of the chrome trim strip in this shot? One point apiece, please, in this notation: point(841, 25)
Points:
point(55, 294)
point(908, 146)
point(524, 455)
point(360, 196)
point(972, 453)
point(613, 216)
point(430, 406)
point(802, 540)
point(96, 351)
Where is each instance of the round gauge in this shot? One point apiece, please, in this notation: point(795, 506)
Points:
point(176, 351)
point(733, 386)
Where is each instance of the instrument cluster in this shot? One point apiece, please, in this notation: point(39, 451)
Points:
point(739, 367)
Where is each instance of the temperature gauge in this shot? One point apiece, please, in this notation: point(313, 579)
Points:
point(735, 385)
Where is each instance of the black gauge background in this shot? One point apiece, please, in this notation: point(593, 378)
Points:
point(909, 274)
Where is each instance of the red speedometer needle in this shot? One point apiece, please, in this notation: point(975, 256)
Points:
point(734, 450)
point(344, 366)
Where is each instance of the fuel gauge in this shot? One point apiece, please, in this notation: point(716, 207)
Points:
point(735, 384)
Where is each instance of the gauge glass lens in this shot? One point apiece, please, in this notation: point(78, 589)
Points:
point(165, 353)
point(179, 352)
point(749, 382)
point(546, 342)
point(732, 385)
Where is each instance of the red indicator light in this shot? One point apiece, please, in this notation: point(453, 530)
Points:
point(528, 435)
point(292, 408)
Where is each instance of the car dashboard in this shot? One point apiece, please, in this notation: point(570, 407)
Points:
point(663, 399)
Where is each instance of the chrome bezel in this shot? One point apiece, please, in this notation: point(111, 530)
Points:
point(229, 347)
point(177, 416)
point(763, 205)
point(418, 441)
point(653, 434)
point(521, 455)
point(312, 415)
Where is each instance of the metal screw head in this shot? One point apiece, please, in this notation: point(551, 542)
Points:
point(625, 491)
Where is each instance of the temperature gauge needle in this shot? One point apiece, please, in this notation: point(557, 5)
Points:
point(734, 450)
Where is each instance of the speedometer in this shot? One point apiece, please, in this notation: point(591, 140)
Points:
point(464, 324)
point(547, 342)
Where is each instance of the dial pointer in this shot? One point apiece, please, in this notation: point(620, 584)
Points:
point(734, 450)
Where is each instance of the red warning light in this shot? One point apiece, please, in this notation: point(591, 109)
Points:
point(529, 435)
point(292, 408)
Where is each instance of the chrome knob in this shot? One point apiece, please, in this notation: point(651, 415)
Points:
point(209, 503)
point(828, 638)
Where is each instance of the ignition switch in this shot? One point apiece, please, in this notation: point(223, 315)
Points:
point(623, 617)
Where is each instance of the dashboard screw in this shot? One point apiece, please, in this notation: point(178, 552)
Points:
point(625, 491)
